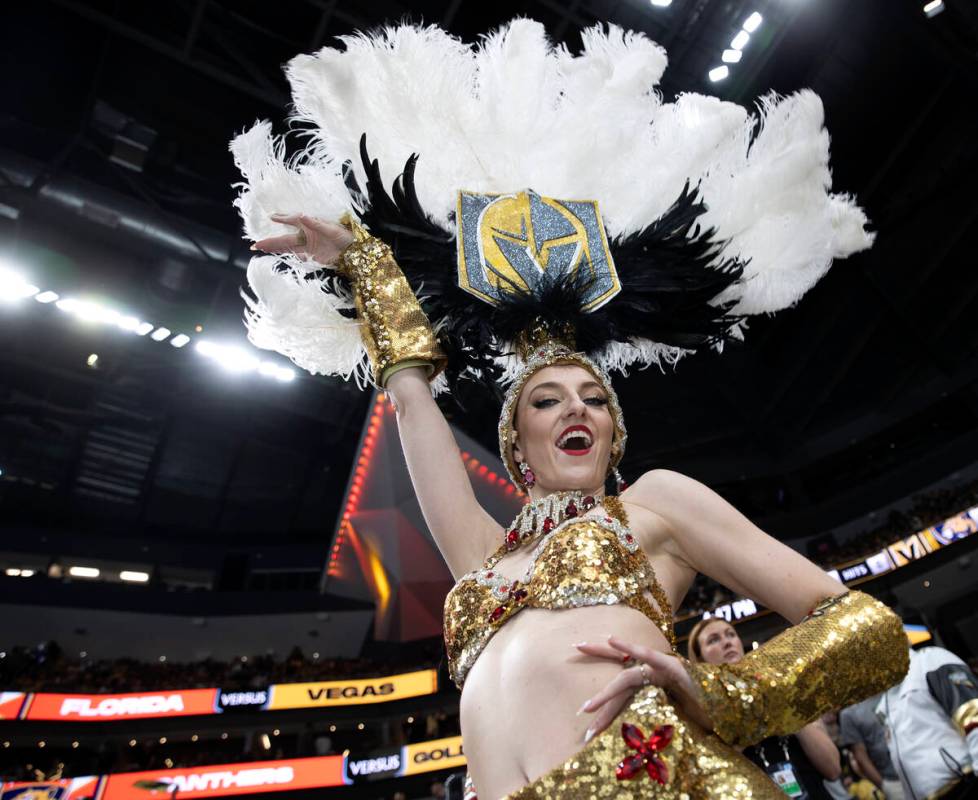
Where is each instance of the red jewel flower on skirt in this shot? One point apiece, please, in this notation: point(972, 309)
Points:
point(645, 755)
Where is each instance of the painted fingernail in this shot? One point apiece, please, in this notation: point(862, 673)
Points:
point(588, 735)
point(584, 707)
point(578, 644)
point(253, 247)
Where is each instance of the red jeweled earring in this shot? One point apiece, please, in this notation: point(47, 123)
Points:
point(529, 479)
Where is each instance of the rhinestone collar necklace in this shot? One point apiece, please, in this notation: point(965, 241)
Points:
point(542, 516)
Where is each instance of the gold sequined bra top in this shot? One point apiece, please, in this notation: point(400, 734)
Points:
point(587, 561)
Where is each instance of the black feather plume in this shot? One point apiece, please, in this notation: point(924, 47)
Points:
point(671, 275)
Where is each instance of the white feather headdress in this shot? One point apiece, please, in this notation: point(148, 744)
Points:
point(749, 192)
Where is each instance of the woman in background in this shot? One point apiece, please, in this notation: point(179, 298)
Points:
point(806, 758)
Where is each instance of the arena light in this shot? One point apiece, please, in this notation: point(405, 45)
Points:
point(739, 42)
point(753, 22)
point(180, 340)
point(46, 297)
point(272, 370)
point(719, 73)
point(661, 3)
point(84, 572)
point(12, 572)
point(160, 334)
point(933, 8)
point(230, 357)
point(731, 56)
point(14, 287)
point(134, 576)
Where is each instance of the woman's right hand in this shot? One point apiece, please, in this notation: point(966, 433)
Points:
point(653, 667)
point(316, 240)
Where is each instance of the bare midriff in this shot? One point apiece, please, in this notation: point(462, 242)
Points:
point(520, 701)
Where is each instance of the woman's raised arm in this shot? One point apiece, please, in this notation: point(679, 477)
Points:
point(404, 353)
point(463, 530)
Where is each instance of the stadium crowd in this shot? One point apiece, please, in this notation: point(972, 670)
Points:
point(926, 509)
point(47, 668)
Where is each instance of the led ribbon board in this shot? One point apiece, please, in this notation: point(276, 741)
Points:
point(353, 692)
point(195, 702)
point(898, 554)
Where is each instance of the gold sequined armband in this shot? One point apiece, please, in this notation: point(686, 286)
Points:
point(395, 331)
point(851, 647)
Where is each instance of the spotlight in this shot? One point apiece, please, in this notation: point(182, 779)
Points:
point(179, 340)
point(731, 56)
point(740, 41)
point(661, 3)
point(13, 572)
point(160, 334)
point(753, 22)
point(134, 576)
point(144, 328)
point(14, 287)
point(92, 360)
point(46, 297)
point(84, 572)
point(719, 73)
point(933, 8)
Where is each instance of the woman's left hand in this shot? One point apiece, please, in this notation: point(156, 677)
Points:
point(652, 668)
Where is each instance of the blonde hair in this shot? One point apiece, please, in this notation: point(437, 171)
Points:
point(693, 652)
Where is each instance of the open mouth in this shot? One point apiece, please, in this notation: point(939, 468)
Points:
point(576, 440)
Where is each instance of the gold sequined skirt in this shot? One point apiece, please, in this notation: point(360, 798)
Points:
point(652, 750)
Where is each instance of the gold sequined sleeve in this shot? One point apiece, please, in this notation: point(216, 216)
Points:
point(850, 647)
point(394, 329)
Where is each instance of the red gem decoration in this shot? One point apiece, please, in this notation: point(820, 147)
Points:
point(645, 756)
point(497, 613)
point(571, 509)
point(588, 503)
point(490, 574)
point(519, 595)
point(548, 525)
point(512, 539)
point(629, 537)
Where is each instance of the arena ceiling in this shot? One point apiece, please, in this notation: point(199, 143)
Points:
point(115, 178)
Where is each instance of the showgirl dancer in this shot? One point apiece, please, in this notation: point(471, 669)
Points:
point(486, 267)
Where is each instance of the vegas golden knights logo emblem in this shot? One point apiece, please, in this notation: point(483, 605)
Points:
point(507, 242)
